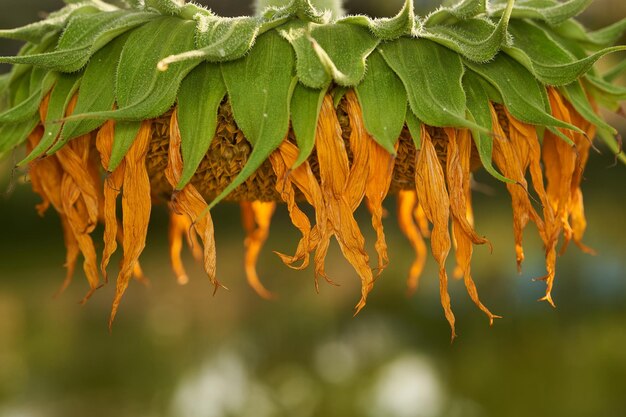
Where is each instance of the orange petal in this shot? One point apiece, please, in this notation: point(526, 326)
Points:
point(523, 135)
point(433, 195)
point(178, 227)
point(506, 158)
point(407, 201)
point(303, 178)
point(459, 151)
point(340, 199)
point(371, 173)
point(257, 217)
point(136, 208)
point(188, 201)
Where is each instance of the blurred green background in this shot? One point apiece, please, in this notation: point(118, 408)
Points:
point(180, 352)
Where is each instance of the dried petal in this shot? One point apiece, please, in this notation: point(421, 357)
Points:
point(257, 217)
point(433, 195)
point(178, 227)
point(458, 164)
point(506, 158)
point(136, 208)
point(371, 173)
point(334, 174)
point(303, 178)
point(188, 201)
point(407, 201)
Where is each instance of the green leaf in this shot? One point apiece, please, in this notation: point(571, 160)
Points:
point(477, 39)
point(84, 35)
point(302, 9)
point(329, 52)
point(403, 24)
point(219, 39)
point(546, 58)
point(142, 90)
point(462, 10)
point(576, 95)
point(431, 75)
point(606, 89)
point(478, 107)
point(614, 73)
point(520, 92)
point(383, 100)
point(199, 98)
point(306, 104)
point(550, 11)
point(609, 139)
point(5, 81)
point(124, 137)
point(24, 108)
point(164, 7)
point(61, 94)
point(35, 32)
point(415, 129)
point(14, 134)
point(260, 95)
point(97, 92)
point(604, 37)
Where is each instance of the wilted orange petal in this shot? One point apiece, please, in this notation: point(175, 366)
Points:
point(458, 166)
point(136, 208)
point(188, 201)
point(507, 159)
point(370, 175)
point(112, 188)
point(523, 135)
point(303, 178)
point(459, 152)
point(407, 200)
point(257, 217)
point(432, 193)
point(178, 227)
point(334, 174)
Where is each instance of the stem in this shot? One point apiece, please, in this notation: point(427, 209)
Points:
point(335, 6)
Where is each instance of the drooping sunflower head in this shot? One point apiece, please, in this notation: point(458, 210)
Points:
point(163, 101)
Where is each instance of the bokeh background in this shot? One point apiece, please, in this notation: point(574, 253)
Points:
point(181, 352)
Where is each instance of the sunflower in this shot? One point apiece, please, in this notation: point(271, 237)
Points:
point(165, 102)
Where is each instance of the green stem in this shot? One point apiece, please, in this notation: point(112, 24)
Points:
point(335, 6)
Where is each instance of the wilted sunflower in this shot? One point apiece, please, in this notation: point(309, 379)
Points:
point(163, 101)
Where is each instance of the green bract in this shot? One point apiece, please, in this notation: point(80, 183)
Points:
point(134, 63)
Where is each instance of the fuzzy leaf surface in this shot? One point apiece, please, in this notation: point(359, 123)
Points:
point(306, 104)
point(521, 93)
point(56, 21)
point(61, 94)
point(260, 94)
point(199, 98)
point(383, 113)
point(84, 35)
point(329, 52)
point(96, 93)
point(546, 58)
point(386, 29)
point(431, 75)
point(478, 107)
point(550, 11)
